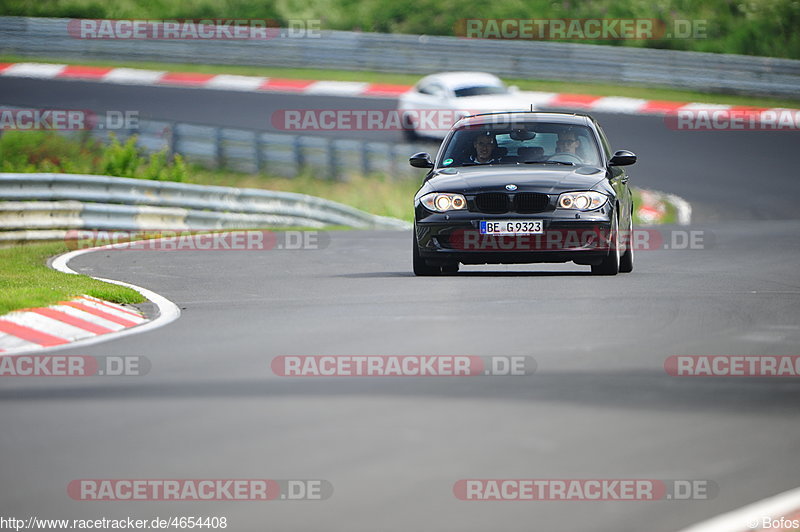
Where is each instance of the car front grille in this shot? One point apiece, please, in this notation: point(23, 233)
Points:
point(530, 202)
point(500, 203)
point(492, 202)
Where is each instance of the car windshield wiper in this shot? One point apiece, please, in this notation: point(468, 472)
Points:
point(550, 162)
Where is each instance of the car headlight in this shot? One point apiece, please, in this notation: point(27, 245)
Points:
point(582, 201)
point(443, 202)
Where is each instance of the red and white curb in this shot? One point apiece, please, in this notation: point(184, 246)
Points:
point(135, 76)
point(82, 321)
point(66, 322)
point(782, 510)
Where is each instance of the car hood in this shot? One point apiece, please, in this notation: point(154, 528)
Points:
point(544, 179)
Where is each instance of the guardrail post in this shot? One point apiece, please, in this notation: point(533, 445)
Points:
point(131, 132)
point(391, 154)
point(333, 160)
point(364, 158)
point(170, 134)
point(259, 155)
point(219, 154)
point(297, 146)
point(135, 129)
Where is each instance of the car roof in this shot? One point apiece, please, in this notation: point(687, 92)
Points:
point(458, 80)
point(523, 116)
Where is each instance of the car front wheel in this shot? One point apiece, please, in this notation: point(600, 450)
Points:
point(626, 260)
point(421, 268)
point(610, 265)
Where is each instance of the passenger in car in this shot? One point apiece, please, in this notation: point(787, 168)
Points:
point(485, 146)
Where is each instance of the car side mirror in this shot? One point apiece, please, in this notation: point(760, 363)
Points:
point(622, 158)
point(420, 160)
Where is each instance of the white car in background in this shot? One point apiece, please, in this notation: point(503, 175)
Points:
point(437, 101)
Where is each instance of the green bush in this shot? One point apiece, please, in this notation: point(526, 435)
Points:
point(121, 160)
point(156, 165)
point(44, 151)
point(177, 171)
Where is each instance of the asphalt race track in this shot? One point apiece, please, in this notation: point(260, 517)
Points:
point(599, 406)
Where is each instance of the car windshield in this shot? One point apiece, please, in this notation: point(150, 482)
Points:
point(480, 91)
point(534, 143)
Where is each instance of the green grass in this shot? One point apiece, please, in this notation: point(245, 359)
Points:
point(599, 89)
point(27, 282)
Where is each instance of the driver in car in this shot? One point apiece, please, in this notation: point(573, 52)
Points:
point(568, 142)
point(485, 145)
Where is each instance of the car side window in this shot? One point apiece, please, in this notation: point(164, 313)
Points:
point(436, 90)
point(430, 89)
point(424, 88)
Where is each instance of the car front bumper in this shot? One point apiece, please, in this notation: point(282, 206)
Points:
point(450, 237)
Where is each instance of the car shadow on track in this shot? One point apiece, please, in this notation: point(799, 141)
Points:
point(380, 275)
point(522, 274)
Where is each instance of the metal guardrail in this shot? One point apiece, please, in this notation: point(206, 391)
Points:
point(282, 155)
point(252, 151)
point(425, 54)
point(36, 206)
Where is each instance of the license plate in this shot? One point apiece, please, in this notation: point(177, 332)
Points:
point(511, 227)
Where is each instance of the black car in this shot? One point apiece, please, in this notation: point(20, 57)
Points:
point(524, 187)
